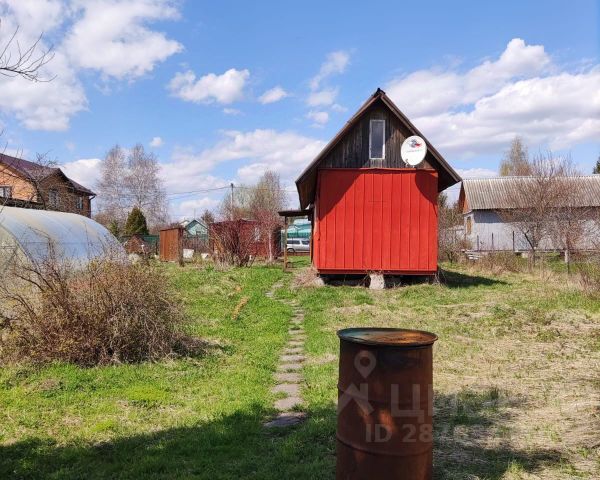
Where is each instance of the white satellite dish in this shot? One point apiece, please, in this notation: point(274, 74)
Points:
point(413, 150)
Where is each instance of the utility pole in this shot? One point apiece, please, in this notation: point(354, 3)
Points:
point(232, 204)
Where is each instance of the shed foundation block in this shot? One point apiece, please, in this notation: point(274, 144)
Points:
point(377, 281)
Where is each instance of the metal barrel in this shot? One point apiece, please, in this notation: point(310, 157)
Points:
point(385, 404)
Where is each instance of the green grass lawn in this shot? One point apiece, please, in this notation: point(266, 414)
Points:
point(516, 382)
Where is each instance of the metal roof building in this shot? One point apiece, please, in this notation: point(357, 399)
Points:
point(484, 203)
point(501, 193)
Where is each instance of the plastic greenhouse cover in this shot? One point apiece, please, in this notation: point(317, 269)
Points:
point(72, 237)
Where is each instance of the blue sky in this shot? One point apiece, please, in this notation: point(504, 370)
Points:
point(194, 76)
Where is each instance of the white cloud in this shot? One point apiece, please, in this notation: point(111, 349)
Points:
point(520, 93)
point(273, 95)
point(32, 15)
point(113, 37)
point(44, 105)
point(231, 111)
point(189, 175)
point(85, 171)
point(335, 63)
point(110, 37)
point(476, 172)
point(39, 105)
point(190, 208)
point(286, 153)
point(226, 88)
point(336, 107)
point(322, 97)
point(283, 152)
point(156, 142)
point(428, 91)
point(320, 118)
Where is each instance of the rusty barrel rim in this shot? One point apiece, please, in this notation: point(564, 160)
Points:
point(388, 337)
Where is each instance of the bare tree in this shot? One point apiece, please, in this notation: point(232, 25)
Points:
point(516, 160)
point(535, 200)
point(267, 198)
point(236, 204)
point(573, 223)
point(112, 201)
point(451, 239)
point(233, 242)
point(144, 185)
point(207, 217)
point(249, 219)
point(25, 62)
point(131, 180)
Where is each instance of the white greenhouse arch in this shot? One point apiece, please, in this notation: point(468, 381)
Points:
point(35, 235)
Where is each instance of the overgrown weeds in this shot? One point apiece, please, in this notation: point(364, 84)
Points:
point(589, 278)
point(108, 311)
point(501, 262)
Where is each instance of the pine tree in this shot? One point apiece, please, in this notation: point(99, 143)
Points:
point(113, 227)
point(136, 223)
point(597, 166)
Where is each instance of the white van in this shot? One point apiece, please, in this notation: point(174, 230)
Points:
point(298, 245)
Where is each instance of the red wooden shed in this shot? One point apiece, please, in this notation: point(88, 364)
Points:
point(372, 212)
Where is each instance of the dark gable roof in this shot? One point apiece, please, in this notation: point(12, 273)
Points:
point(306, 182)
point(38, 172)
point(503, 193)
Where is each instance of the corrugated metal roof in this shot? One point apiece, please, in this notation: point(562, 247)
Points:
point(512, 192)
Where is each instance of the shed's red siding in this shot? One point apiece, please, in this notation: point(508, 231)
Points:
point(376, 220)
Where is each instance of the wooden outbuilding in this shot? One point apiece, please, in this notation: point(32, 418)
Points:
point(170, 245)
point(372, 212)
point(245, 235)
point(141, 244)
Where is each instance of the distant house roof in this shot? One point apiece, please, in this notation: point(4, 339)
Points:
point(37, 172)
point(502, 193)
point(150, 239)
point(189, 224)
point(306, 182)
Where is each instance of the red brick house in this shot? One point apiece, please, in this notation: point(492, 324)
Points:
point(31, 185)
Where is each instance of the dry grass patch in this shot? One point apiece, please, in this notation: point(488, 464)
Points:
point(109, 311)
point(516, 370)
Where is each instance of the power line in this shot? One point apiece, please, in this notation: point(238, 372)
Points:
point(240, 187)
point(206, 190)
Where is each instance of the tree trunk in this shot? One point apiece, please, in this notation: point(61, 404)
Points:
point(270, 240)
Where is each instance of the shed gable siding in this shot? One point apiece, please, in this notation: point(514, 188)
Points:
point(353, 149)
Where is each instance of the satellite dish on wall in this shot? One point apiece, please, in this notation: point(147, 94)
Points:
point(413, 150)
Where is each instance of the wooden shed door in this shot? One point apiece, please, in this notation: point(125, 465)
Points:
point(170, 244)
point(376, 220)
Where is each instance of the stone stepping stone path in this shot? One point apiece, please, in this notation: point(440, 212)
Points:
point(289, 376)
